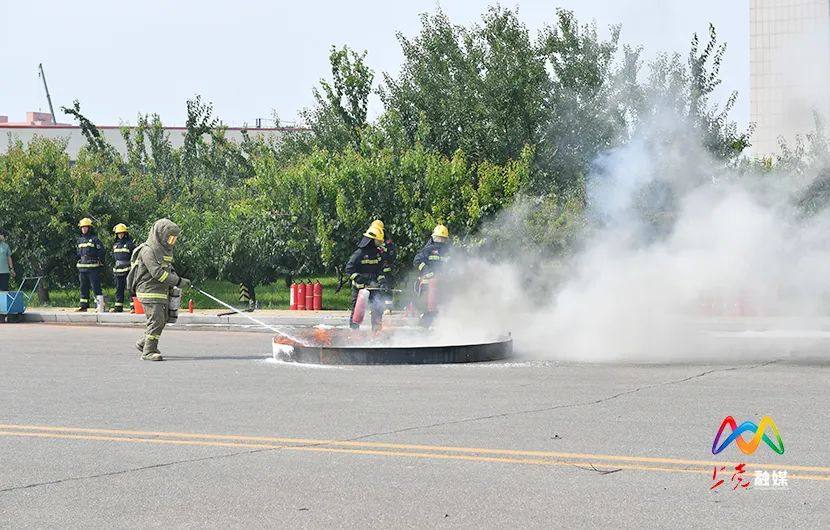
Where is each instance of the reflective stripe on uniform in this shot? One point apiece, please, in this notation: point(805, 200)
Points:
point(152, 296)
point(353, 276)
point(168, 258)
point(121, 249)
point(434, 257)
point(84, 300)
point(164, 276)
point(152, 337)
point(421, 266)
point(85, 245)
point(87, 265)
point(125, 269)
point(370, 261)
point(119, 304)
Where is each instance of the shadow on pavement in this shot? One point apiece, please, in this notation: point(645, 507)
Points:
point(217, 358)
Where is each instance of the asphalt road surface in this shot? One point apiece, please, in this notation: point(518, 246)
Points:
point(219, 435)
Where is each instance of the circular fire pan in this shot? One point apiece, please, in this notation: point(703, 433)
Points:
point(461, 353)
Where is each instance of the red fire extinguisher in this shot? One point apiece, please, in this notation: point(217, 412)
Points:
point(360, 306)
point(309, 296)
point(292, 299)
point(318, 295)
point(432, 296)
point(301, 296)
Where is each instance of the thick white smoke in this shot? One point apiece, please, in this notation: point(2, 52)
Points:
point(651, 289)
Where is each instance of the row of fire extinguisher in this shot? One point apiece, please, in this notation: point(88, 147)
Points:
point(306, 296)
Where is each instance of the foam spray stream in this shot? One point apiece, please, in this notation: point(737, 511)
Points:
point(252, 319)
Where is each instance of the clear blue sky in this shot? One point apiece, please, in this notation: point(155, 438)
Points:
point(249, 57)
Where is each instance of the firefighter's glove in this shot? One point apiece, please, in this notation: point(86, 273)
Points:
point(428, 276)
point(358, 281)
point(184, 284)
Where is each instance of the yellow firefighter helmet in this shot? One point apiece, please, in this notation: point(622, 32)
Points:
point(119, 228)
point(86, 221)
point(374, 232)
point(378, 223)
point(440, 231)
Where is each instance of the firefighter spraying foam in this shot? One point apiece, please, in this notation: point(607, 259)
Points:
point(156, 284)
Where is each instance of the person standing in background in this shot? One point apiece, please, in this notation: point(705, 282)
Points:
point(90, 264)
point(6, 262)
point(122, 250)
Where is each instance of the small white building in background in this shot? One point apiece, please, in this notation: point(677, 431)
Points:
point(789, 52)
point(41, 124)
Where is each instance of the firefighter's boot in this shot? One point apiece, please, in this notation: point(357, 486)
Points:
point(152, 356)
point(150, 350)
point(139, 345)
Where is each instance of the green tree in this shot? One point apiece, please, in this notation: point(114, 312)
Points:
point(584, 111)
point(478, 89)
point(339, 117)
point(685, 90)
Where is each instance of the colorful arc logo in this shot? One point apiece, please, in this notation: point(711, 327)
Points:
point(748, 447)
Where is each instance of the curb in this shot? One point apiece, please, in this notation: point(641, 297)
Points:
point(338, 318)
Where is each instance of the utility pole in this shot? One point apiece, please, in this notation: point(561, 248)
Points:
point(48, 97)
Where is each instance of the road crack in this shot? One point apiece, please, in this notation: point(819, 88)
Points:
point(133, 470)
point(565, 405)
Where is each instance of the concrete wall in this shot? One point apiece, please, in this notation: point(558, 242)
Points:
point(789, 69)
point(113, 135)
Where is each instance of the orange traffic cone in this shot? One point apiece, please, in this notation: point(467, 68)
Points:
point(139, 309)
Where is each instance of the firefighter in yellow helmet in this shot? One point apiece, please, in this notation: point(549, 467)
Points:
point(363, 268)
point(90, 252)
point(429, 261)
point(389, 253)
point(122, 249)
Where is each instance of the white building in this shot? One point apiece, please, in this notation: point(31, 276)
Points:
point(789, 69)
point(40, 124)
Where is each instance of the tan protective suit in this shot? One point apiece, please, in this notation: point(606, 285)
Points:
point(151, 277)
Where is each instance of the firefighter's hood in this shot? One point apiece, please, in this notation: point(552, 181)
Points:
point(159, 235)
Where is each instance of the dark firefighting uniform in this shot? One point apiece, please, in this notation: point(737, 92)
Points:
point(363, 268)
point(90, 264)
point(429, 261)
point(122, 249)
point(389, 253)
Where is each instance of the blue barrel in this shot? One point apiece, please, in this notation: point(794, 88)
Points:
point(11, 303)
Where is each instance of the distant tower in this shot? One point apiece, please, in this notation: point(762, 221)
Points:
point(789, 53)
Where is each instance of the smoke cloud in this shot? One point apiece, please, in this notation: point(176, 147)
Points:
point(679, 245)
